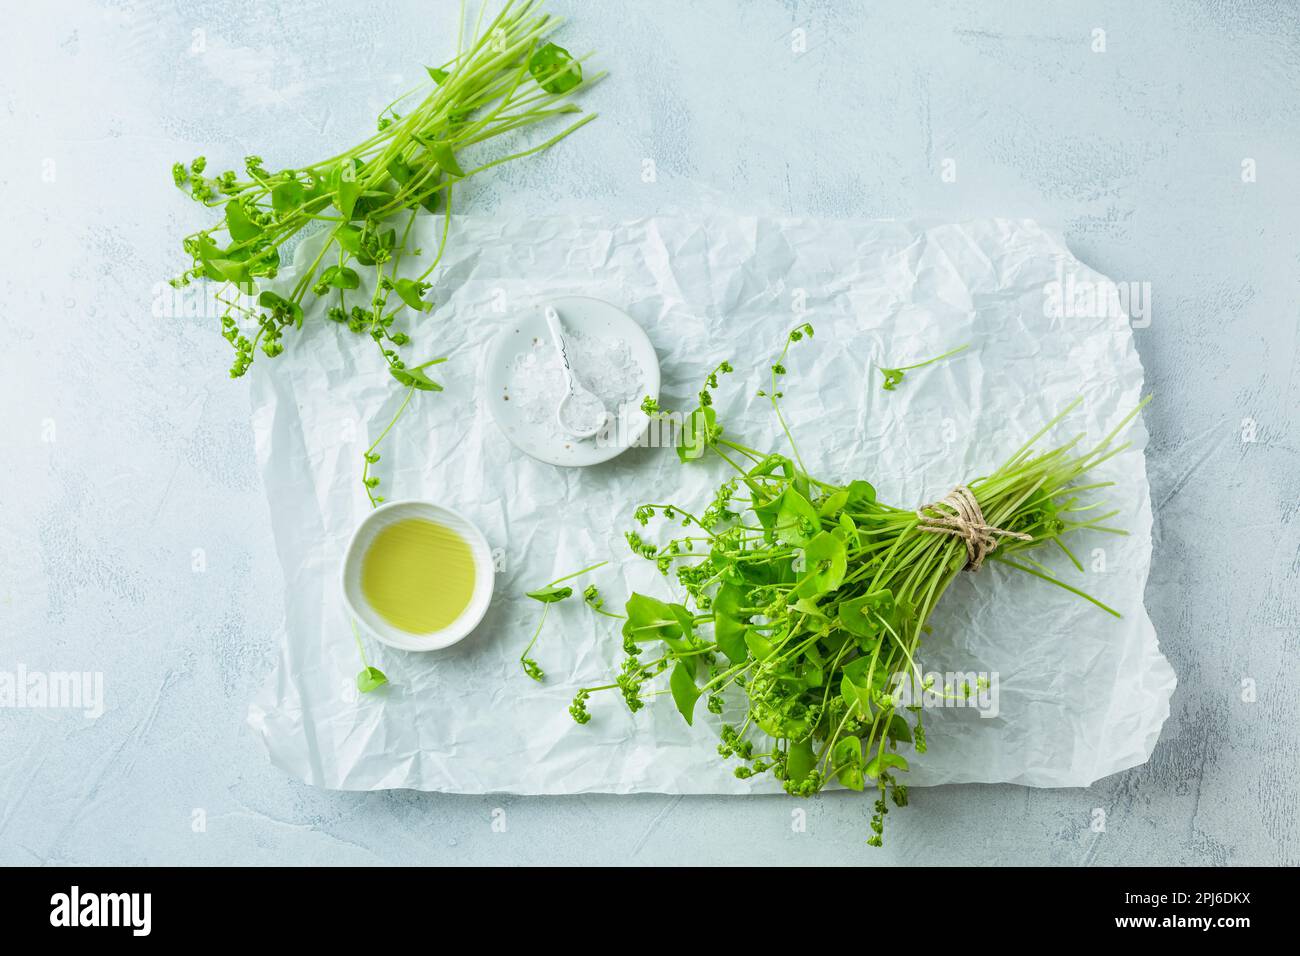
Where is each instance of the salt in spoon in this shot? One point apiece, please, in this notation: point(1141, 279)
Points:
point(585, 411)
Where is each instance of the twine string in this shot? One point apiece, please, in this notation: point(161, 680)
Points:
point(964, 519)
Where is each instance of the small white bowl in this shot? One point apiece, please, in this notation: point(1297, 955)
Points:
point(371, 621)
point(594, 319)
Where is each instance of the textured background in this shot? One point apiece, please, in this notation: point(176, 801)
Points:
point(124, 447)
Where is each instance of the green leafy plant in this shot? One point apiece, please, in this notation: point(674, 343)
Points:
point(810, 598)
point(894, 376)
point(416, 380)
point(368, 678)
point(550, 594)
point(504, 79)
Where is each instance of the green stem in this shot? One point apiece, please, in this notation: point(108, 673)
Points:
point(365, 469)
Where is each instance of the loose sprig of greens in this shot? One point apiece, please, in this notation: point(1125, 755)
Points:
point(416, 380)
point(368, 678)
point(551, 594)
point(894, 376)
point(811, 598)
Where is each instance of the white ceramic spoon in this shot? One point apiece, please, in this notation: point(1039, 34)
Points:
point(585, 411)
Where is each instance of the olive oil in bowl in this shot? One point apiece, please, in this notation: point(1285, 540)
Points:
point(418, 575)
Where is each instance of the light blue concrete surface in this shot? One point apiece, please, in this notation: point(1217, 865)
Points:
point(123, 446)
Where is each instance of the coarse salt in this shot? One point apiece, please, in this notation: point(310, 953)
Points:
point(605, 366)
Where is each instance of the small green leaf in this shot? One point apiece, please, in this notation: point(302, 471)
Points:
point(863, 675)
point(347, 189)
point(833, 504)
point(370, 678)
point(848, 530)
point(443, 156)
point(899, 729)
point(767, 510)
point(400, 170)
point(228, 269)
point(414, 378)
point(808, 605)
point(728, 627)
point(554, 69)
point(758, 645)
point(697, 433)
point(893, 377)
point(847, 758)
point(649, 618)
point(861, 493)
point(281, 308)
point(884, 761)
point(797, 520)
point(287, 196)
point(341, 277)
point(685, 693)
point(371, 200)
point(430, 202)
point(549, 595)
point(862, 615)
point(346, 200)
point(800, 760)
point(826, 559)
point(438, 74)
point(848, 750)
point(682, 615)
point(411, 291)
point(240, 227)
point(349, 237)
point(854, 696)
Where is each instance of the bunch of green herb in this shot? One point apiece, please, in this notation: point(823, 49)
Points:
point(505, 79)
point(811, 598)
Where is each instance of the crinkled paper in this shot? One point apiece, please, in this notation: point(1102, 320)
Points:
point(1080, 694)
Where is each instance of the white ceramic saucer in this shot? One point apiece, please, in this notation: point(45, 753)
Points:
point(592, 319)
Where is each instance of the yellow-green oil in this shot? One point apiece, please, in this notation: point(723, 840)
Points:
point(418, 575)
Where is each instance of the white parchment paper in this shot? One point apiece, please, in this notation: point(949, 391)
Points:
point(1079, 694)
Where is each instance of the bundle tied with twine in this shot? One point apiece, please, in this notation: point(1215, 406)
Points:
point(959, 515)
point(814, 610)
